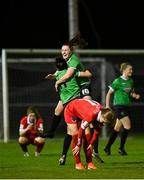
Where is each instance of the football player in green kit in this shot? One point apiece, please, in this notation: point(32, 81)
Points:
point(70, 89)
point(70, 57)
point(74, 64)
point(122, 89)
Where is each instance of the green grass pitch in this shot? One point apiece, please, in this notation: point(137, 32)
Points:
point(14, 166)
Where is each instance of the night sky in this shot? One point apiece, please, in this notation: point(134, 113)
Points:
point(44, 24)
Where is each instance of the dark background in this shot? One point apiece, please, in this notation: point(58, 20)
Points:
point(44, 24)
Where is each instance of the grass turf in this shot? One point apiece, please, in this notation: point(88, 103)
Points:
point(14, 166)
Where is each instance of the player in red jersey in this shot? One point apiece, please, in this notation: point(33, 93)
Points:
point(78, 115)
point(30, 128)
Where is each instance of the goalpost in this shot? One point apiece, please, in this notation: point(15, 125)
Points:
point(5, 97)
point(37, 61)
point(36, 57)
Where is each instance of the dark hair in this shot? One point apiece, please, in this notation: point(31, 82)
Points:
point(61, 64)
point(32, 109)
point(69, 45)
point(77, 40)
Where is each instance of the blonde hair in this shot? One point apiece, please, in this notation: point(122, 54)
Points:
point(109, 115)
point(123, 66)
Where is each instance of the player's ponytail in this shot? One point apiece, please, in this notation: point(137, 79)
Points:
point(77, 41)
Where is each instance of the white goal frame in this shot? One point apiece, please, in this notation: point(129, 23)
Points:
point(89, 52)
point(5, 93)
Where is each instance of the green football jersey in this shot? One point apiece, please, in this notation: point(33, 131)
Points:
point(68, 90)
point(75, 62)
point(122, 89)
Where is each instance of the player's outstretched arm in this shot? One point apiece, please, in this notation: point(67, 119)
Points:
point(69, 73)
point(50, 76)
point(85, 73)
point(108, 98)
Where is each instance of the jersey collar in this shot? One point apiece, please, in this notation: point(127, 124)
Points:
point(124, 77)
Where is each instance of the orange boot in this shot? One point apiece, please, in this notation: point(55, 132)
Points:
point(91, 166)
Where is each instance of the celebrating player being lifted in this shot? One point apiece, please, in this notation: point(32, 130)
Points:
point(74, 64)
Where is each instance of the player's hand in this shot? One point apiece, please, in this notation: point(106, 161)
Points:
point(89, 147)
point(56, 86)
point(137, 96)
point(49, 76)
point(76, 150)
point(30, 126)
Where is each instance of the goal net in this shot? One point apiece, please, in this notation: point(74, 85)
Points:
point(27, 86)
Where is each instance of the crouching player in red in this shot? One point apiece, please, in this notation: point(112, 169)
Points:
point(79, 114)
point(31, 126)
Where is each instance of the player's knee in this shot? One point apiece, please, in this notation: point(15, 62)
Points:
point(40, 140)
point(87, 130)
point(87, 97)
point(72, 132)
point(117, 129)
point(72, 129)
point(69, 132)
point(23, 140)
point(58, 111)
point(128, 128)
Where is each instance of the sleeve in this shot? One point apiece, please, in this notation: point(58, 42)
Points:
point(40, 125)
point(95, 135)
point(22, 124)
point(77, 74)
point(73, 62)
point(56, 74)
point(114, 85)
point(21, 127)
point(81, 131)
